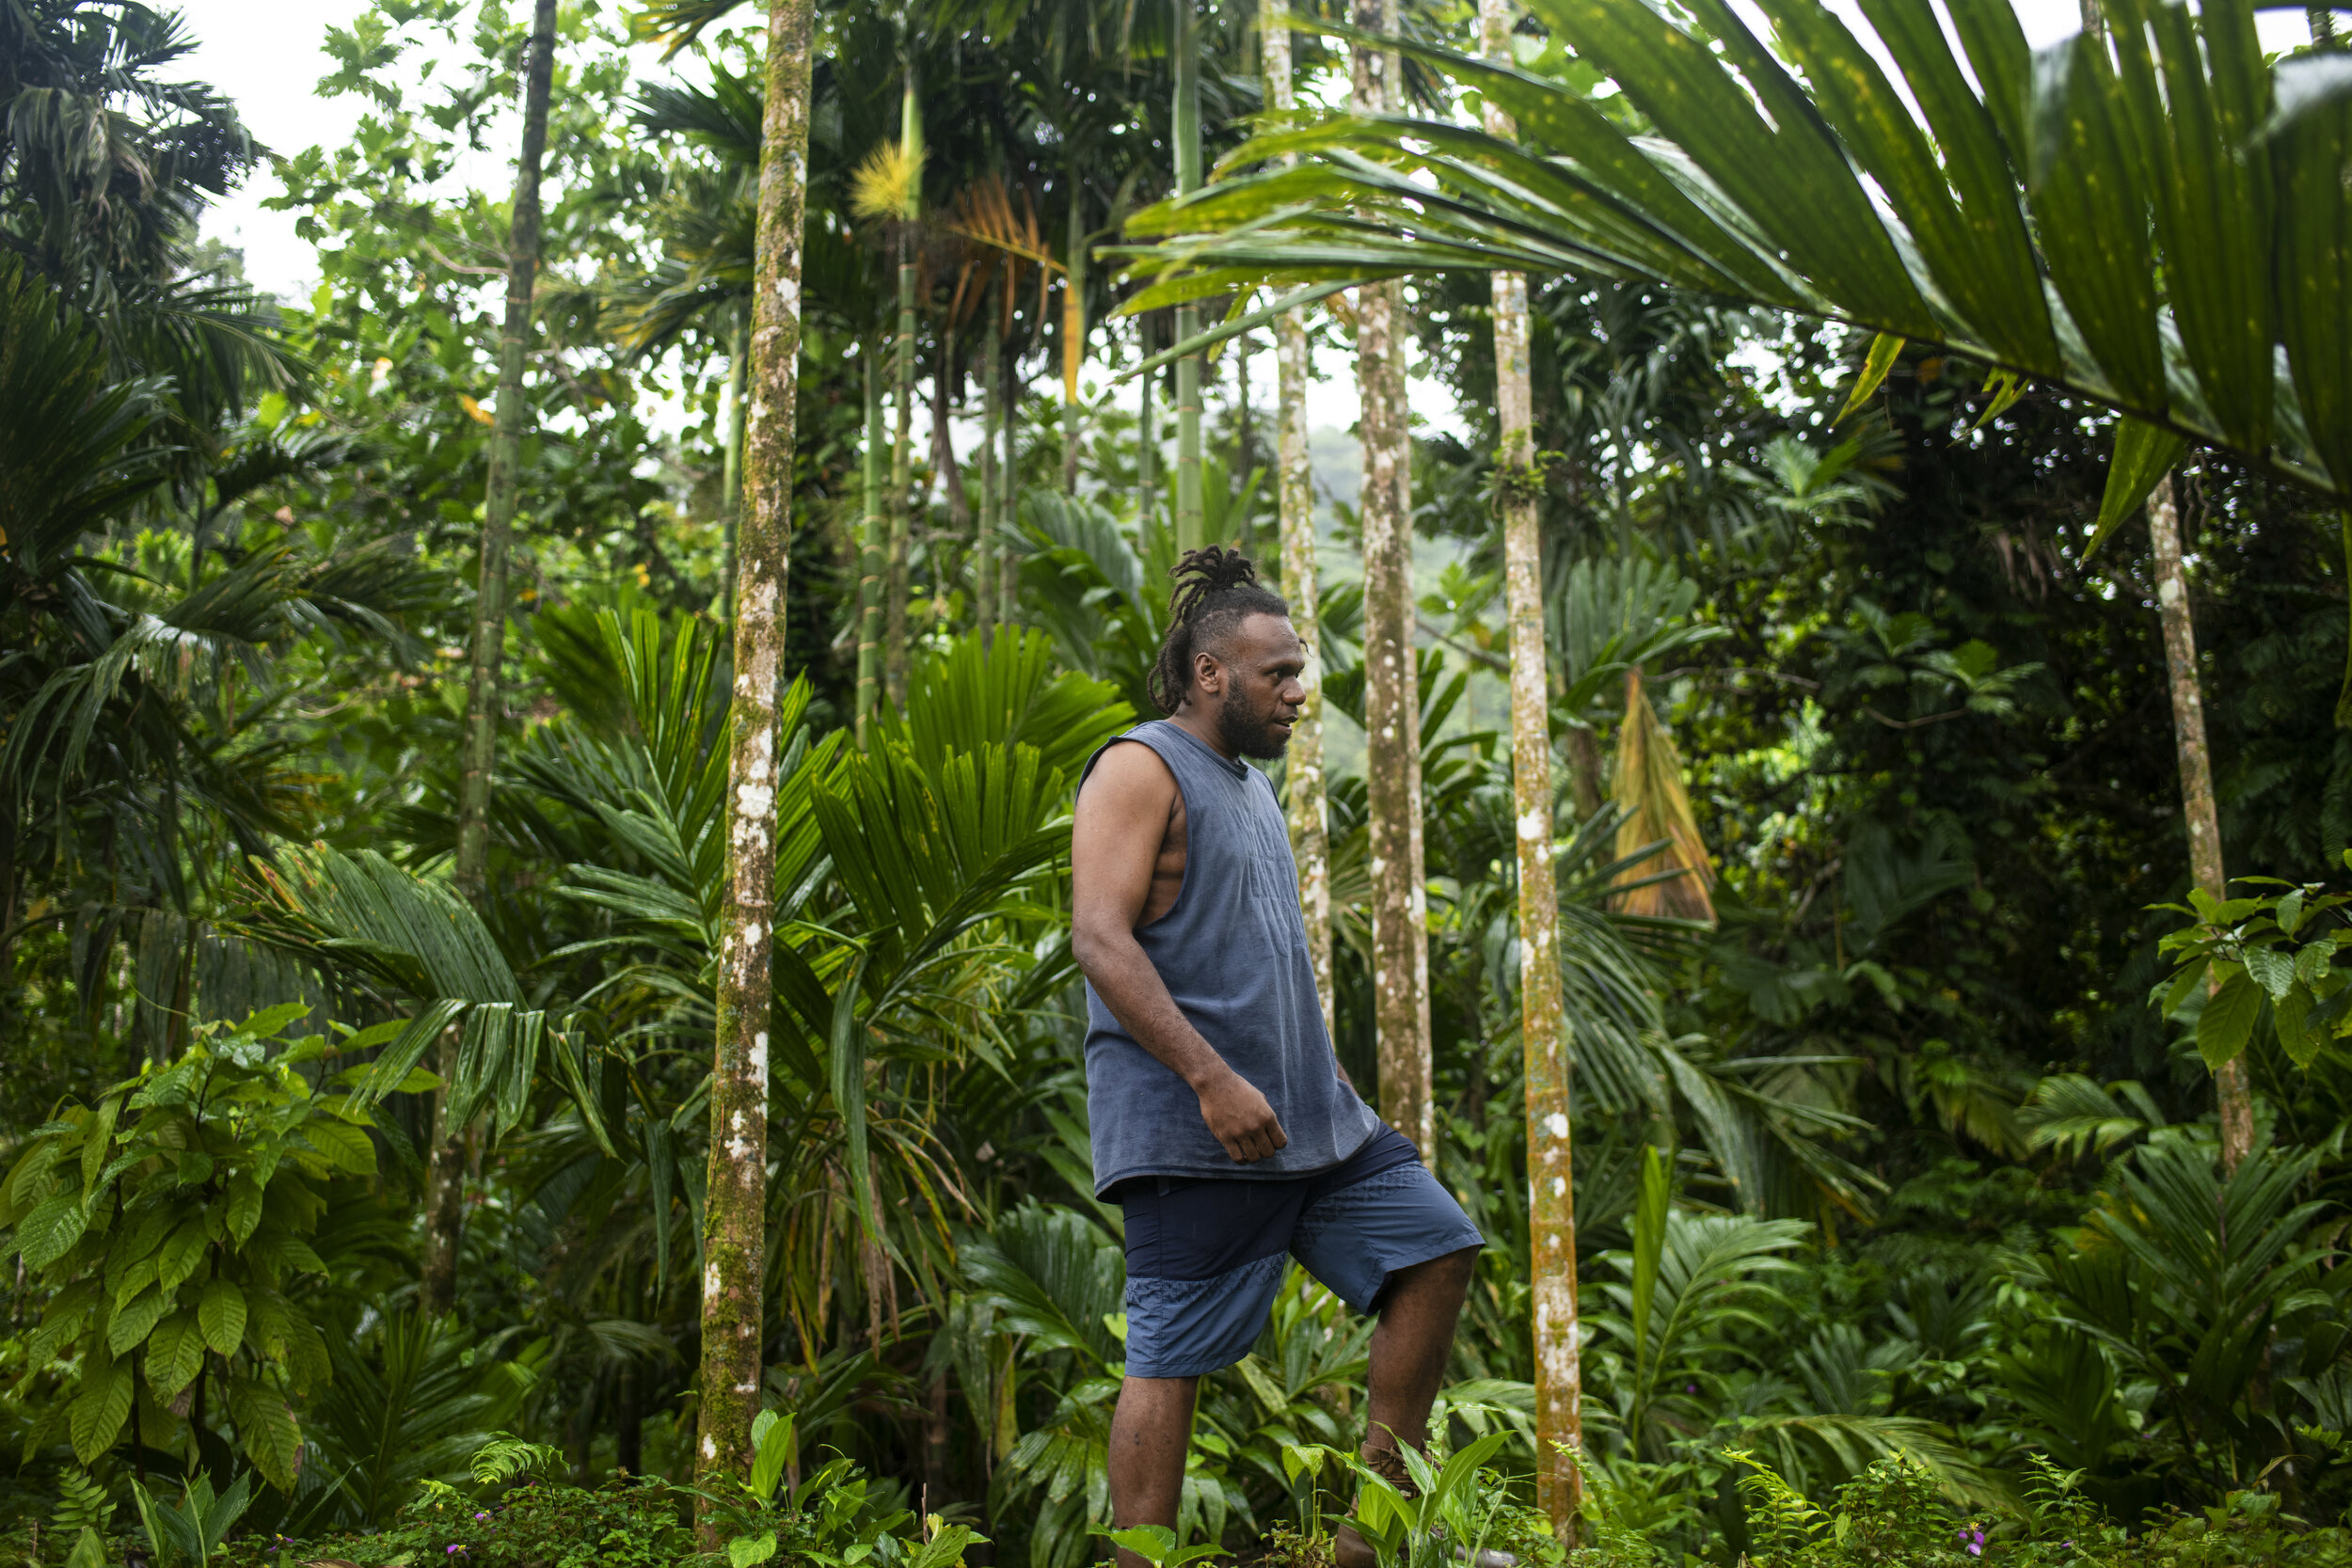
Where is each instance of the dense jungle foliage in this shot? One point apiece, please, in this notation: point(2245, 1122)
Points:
point(1905, 1234)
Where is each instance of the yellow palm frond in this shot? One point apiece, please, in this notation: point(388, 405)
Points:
point(1649, 791)
point(984, 216)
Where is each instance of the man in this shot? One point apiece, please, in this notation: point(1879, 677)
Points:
point(1223, 1123)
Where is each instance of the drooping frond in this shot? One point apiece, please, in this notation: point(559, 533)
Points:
point(985, 216)
point(1657, 807)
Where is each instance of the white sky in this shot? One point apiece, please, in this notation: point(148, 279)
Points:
point(267, 56)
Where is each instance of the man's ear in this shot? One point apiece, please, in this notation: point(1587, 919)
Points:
point(1208, 673)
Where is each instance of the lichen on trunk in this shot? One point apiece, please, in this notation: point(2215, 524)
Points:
point(1400, 936)
point(1302, 771)
point(735, 1210)
point(1543, 1027)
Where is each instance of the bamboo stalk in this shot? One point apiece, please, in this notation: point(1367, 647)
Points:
point(870, 548)
point(992, 500)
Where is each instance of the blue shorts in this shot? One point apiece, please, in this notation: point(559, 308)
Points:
point(1206, 1255)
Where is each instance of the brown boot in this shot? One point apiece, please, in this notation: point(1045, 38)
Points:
point(1388, 1465)
point(1349, 1547)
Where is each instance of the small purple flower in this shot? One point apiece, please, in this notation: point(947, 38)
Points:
point(481, 1515)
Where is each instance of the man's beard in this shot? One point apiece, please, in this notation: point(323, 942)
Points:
point(1252, 735)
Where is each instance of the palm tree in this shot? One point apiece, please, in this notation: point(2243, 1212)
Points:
point(2156, 182)
point(1392, 692)
point(444, 1203)
point(1550, 1191)
point(734, 1226)
point(1302, 771)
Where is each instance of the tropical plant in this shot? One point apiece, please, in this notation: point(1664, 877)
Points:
point(170, 1218)
point(2030, 223)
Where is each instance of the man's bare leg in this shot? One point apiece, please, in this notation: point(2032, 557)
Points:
point(1409, 1351)
point(1149, 1432)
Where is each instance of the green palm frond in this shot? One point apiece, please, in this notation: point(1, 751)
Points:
point(2113, 215)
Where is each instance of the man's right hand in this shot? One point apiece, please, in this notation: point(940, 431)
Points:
point(1240, 1118)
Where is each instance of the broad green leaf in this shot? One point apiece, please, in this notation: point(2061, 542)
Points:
point(49, 1232)
point(1154, 1544)
point(175, 1351)
point(746, 1551)
point(2272, 970)
point(771, 1450)
point(2187, 981)
point(2227, 1021)
point(95, 1417)
point(99, 1141)
point(244, 1207)
point(272, 1436)
point(220, 1312)
point(132, 1324)
point(343, 1145)
point(179, 1256)
point(2289, 1015)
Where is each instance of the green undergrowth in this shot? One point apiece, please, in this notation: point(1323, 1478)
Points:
point(1897, 1515)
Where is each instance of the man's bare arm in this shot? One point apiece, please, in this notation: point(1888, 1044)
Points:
point(1122, 818)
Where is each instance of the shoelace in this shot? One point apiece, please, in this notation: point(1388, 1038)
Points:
point(1388, 1465)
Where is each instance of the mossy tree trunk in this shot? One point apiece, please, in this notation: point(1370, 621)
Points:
point(1400, 935)
point(1302, 772)
point(733, 1311)
point(1542, 1029)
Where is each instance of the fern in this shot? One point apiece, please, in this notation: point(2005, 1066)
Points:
point(505, 1456)
point(82, 1503)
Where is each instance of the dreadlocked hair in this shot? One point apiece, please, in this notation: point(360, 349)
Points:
point(1216, 588)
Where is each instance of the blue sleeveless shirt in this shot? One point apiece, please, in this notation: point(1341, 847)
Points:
point(1233, 952)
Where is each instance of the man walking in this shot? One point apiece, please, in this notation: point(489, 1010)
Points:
point(1223, 1123)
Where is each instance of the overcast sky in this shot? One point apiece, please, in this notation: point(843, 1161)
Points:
point(267, 54)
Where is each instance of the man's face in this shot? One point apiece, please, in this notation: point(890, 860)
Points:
point(1257, 672)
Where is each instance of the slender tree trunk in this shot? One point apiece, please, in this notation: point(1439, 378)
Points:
point(1243, 442)
point(1073, 335)
point(444, 1202)
point(1008, 564)
point(870, 551)
point(735, 1208)
point(1400, 936)
point(1191, 521)
point(1295, 502)
point(992, 417)
point(1147, 428)
point(731, 466)
point(946, 394)
point(2231, 1085)
point(902, 489)
point(1542, 1029)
